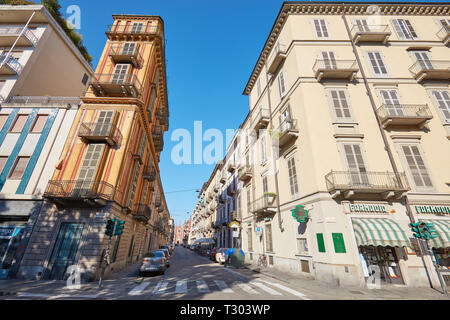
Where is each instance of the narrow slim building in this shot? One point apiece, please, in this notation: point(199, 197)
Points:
point(109, 166)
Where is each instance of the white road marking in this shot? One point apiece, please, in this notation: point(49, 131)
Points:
point(181, 286)
point(202, 286)
point(266, 289)
point(82, 296)
point(160, 287)
point(223, 286)
point(247, 288)
point(139, 289)
point(291, 291)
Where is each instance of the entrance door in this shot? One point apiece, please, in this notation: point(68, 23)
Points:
point(65, 250)
point(355, 163)
point(386, 260)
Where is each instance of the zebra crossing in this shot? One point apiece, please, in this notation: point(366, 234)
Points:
point(254, 287)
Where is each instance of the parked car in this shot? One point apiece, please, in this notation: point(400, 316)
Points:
point(212, 254)
point(153, 262)
point(167, 255)
point(192, 247)
point(167, 248)
point(220, 255)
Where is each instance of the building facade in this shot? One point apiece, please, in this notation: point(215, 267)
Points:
point(36, 115)
point(109, 167)
point(350, 109)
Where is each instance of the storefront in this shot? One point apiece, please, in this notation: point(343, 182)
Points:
point(10, 247)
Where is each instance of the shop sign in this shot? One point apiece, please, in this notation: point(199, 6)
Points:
point(6, 232)
point(368, 208)
point(234, 224)
point(433, 209)
point(300, 213)
point(235, 234)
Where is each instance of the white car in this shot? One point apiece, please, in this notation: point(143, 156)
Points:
point(220, 255)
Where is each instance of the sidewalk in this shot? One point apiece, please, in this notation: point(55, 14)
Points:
point(328, 291)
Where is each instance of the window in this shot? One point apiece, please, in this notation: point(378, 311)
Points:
point(19, 168)
point(115, 248)
point(39, 123)
point(423, 60)
point(269, 244)
point(3, 119)
point(265, 185)
point(442, 99)
point(320, 27)
point(281, 83)
point(263, 148)
point(417, 166)
point(137, 27)
point(340, 104)
point(292, 171)
point(248, 199)
point(377, 63)
point(129, 48)
point(120, 73)
point(258, 87)
point(355, 161)
point(85, 79)
point(131, 248)
point(404, 29)
point(362, 25)
point(3, 162)
point(249, 238)
point(90, 162)
point(392, 102)
point(302, 246)
point(19, 123)
point(329, 60)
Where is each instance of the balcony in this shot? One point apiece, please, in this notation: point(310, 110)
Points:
point(100, 132)
point(124, 53)
point(231, 167)
point(404, 115)
point(264, 205)
point(149, 173)
point(158, 202)
point(9, 35)
point(80, 192)
point(141, 212)
point(261, 119)
point(351, 184)
point(287, 131)
point(9, 66)
point(236, 216)
point(278, 55)
point(431, 70)
point(335, 69)
point(231, 190)
point(245, 173)
point(372, 33)
point(444, 34)
point(116, 85)
point(216, 187)
point(223, 177)
point(221, 199)
point(127, 31)
point(157, 135)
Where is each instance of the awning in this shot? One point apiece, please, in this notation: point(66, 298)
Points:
point(443, 230)
point(379, 232)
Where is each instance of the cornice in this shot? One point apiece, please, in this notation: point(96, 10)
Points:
point(338, 8)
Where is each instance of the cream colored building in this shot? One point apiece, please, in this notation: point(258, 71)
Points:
point(357, 98)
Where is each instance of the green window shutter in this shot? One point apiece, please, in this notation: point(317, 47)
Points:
point(320, 242)
point(338, 241)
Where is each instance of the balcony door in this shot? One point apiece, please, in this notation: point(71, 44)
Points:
point(129, 48)
point(423, 60)
point(120, 73)
point(362, 25)
point(103, 124)
point(285, 120)
point(355, 163)
point(329, 60)
point(392, 103)
point(86, 175)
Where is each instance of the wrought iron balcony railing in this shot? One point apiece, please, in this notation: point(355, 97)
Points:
point(404, 114)
point(444, 34)
point(245, 172)
point(352, 182)
point(126, 29)
point(277, 56)
point(78, 190)
point(335, 69)
point(141, 212)
point(261, 119)
point(9, 34)
point(287, 131)
point(100, 132)
point(264, 204)
point(10, 65)
point(126, 53)
point(370, 33)
point(431, 70)
point(116, 85)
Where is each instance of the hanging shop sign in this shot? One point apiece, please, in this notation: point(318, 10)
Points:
point(234, 224)
point(300, 213)
point(432, 209)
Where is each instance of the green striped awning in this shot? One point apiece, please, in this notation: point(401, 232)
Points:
point(379, 232)
point(443, 230)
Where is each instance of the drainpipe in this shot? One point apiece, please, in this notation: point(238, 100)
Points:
point(274, 166)
point(386, 146)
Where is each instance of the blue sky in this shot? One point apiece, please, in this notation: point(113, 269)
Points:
point(211, 49)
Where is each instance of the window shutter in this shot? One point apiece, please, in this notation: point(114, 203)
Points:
point(410, 29)
point(120, 73)
point(398, 29)
point(417, 166)
point(443, 102)
point(281, 83)
point(340, 104)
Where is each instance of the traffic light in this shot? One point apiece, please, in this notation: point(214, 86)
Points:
point(415, 228)
point(119, 227)
point(110, 227)
point(428, 230)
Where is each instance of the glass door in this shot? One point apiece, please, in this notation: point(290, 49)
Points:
point(356, 165)
point(329, 60)
point(86, 176)
point(392, 103)
point(103, 124)
point(423, 60)
point(120, 73)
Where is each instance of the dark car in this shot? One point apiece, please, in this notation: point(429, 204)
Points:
point(212, 254)
point(167, 255)
point(167, 248)
point(153, 262)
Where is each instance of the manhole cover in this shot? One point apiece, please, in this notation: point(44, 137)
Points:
point(356, 292)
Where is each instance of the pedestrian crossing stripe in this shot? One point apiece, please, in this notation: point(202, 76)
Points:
point(266, 289)
point(245, 287)
point(181, 287)
point(160, 287)
point(139, 289)
point(202, 286)
point(223, 286)
point(287, 289)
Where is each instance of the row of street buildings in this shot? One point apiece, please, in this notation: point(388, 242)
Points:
point(79, 147)
point(346, 142)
